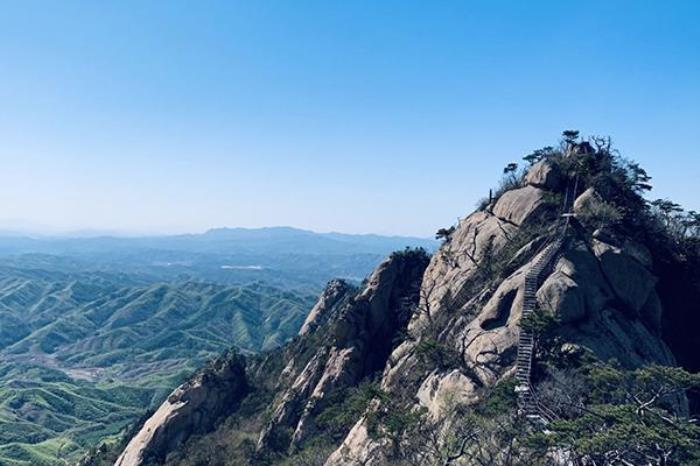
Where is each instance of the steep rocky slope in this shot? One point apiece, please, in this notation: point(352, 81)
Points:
point(428, 344)
point(601, 289)
point(192, 408)
point(346, 338)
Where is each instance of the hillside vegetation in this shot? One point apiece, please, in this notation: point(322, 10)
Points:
point(556, 325)
point(83, 355)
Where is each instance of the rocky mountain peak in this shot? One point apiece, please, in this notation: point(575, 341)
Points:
point(427, 342)
point(335, 291)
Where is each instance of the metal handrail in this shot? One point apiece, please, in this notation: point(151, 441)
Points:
point(527, 395)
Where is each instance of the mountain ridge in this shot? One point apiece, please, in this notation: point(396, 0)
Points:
point(444, 392)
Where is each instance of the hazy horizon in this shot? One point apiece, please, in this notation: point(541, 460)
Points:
point(10, 228)
point(390, 118)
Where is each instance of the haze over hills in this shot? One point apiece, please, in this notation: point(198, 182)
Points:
point(283, 256)
point(93, 331)
point(176, 288)
point(556, 325)
point(272, 239)
point(83, 354)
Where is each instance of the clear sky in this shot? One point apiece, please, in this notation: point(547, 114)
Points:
point(353, 116)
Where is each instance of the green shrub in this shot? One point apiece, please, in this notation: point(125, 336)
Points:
point(345, 407)
point(600, 214)
point(434, 354)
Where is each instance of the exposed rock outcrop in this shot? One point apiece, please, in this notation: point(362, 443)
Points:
point(545, 175)
point(322, 311)
point(192, 408)
point(357, 344)
point(587, 201)
point(462, 308)
point(604, 295)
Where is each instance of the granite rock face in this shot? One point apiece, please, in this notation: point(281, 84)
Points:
point(603, 293)
point(192, 408)
point(545, 175)
point(322, 311)
point(355, 344)
point(467, 301)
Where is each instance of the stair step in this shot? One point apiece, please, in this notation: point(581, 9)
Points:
point(526, 340)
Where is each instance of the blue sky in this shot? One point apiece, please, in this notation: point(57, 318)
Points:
point(354, 116)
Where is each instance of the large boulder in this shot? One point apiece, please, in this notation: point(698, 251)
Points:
point(563, 297)
point(544, 175)
point(587, 201)
point(628, 277)
point(441, 392)
point(518, 205)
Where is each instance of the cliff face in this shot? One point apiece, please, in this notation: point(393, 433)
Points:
point(325, 307)
point(346, 338)
point(605, 288)
point(601, 288)
point(192, 408)
point(357, 345)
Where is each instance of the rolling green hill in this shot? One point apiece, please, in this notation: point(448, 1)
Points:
point(82, 355)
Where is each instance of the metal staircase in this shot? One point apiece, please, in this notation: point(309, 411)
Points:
point(527, 399)
point(528, 403)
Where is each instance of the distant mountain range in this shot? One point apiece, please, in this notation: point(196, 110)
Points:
point(95, 330)
point(282, 256)
point(229, 240)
